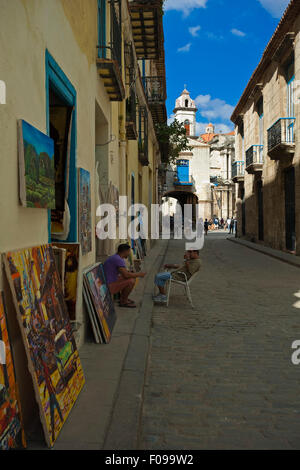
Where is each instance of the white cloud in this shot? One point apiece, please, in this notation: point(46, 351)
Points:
point(237, 32)
point(186, 6)
point(194, 30)
point(275, 7)
point(171, 119)
point(214, 36)
point(185, 48)
point(213, 109)
point(220, 128)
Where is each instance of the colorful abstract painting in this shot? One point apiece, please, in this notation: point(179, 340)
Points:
point(45, 326)
point(101, 300)
point(36, 167)
point(10, 420)
point(71, 275)
point(85, 215)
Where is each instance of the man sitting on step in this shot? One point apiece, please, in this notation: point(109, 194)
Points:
point(119, 279)
point(191, 266)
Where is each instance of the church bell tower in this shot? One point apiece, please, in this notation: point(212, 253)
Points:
point(185, 112)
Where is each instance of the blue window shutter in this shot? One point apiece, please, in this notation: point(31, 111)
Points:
point(183, 171)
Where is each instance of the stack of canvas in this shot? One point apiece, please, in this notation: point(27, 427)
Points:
point(10, 416)
point(99, 303)
point(47, 334)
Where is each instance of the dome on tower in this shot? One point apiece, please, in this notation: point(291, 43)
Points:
point(210, 133)
point(210, 129)
point(185, 102)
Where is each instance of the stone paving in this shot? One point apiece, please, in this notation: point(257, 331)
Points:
point(221, 376)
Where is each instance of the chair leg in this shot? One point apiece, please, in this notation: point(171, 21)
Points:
point(190, 296)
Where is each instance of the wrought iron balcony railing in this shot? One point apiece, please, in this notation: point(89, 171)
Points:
point(131, 104)
point(143, 136)
point(113, 51)
point(109, 61)
point(155, 89)
point(281, 136)
point(254, 155)
point(179, 182)
point(238, 169)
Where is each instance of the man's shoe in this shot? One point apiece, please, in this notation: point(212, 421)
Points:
point(160, 298)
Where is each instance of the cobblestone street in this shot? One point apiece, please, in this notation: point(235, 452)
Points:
point(221, 376)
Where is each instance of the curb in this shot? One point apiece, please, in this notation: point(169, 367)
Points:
point(123, 429)
point(276, 254)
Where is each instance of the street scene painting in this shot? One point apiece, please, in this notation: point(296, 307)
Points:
point(85, 215)
point(10, 419)
point(101, 300)
point(46, 330)
point(36, 167)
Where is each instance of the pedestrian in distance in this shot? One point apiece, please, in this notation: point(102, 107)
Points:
point(231, 225)
point(206, 226)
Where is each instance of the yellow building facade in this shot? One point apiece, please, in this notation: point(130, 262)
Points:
point(103, 63)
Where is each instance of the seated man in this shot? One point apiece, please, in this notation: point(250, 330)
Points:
point(191, 266)
point(119, 279)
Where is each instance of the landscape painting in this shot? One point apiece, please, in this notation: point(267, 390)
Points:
point(85, 215)
point(47, 334)
point(36, 167)
point(101, 300)
point(10, 420)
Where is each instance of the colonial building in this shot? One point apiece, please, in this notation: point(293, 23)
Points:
point(203, 174)
point(91, 75)
point(266, 170)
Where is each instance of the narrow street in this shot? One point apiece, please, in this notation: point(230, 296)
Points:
point(221, 376)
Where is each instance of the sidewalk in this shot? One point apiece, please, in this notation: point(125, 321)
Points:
point(107, 412)
point(280, 255)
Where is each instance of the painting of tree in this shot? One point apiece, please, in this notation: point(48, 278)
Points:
point(36, 167)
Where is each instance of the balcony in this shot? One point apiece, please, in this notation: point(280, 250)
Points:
point(143, 136)
point(281, 138)
point(184, 185)
point(155, 90)
point(109, 61)
point(146, 20)
point(131, 130)
point(238, 171)
point(254, 159)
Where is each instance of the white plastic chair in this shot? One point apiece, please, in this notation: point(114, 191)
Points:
point(186, 284)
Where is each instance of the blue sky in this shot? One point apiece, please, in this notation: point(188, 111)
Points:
point(212, 47)
point(40, 141)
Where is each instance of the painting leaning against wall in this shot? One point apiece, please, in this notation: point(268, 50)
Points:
point(36, 167)
point(47, 334)
point(72, 268)
point(85, 212)
point(10, 418)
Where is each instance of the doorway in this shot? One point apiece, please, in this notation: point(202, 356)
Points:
point(290, 209)
point(61, 126)
point(260, 203)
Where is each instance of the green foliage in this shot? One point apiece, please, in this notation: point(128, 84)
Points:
point(173, 138)
point(40, 178)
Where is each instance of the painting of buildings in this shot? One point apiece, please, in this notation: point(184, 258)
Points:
point(101, 300)
point(45, 325)
point(36, 167)
point(10, 422)
point(85, 216)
